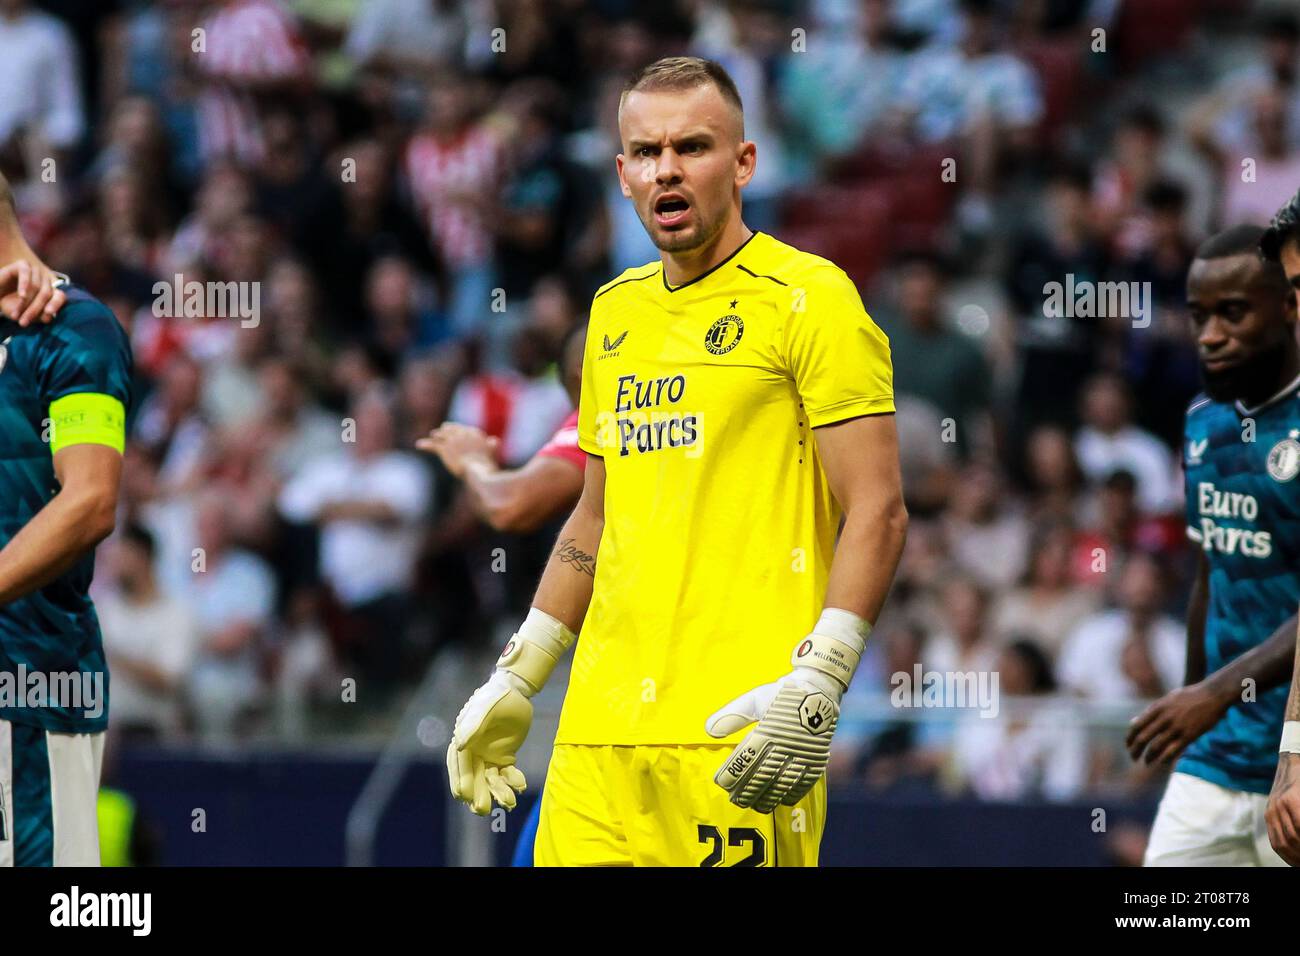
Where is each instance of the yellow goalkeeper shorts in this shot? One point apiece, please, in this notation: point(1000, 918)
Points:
point(659, 806)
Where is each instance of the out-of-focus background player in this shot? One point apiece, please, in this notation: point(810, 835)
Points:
point(520, 499)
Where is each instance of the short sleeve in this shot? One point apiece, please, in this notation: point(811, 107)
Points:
point(838, 357)
point(564, 444)
point(588, 407)
point(84, 374)
point(87, 351)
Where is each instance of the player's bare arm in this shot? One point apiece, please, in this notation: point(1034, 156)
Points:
point(1283, 813)
point(516, 500)
point(565, 589)
point(861, 461)
point(495, 721)
point(1165, 728)
point(1192, 708)
point(80, 516)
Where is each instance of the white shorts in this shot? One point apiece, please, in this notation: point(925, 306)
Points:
point(1203, 824)
point(49, 793)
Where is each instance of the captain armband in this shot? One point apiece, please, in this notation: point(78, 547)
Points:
point(87, 418)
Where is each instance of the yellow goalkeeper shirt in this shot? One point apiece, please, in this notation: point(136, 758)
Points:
point(719, 522)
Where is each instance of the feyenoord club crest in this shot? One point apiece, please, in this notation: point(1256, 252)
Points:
point(1284, 458)
point(724, 335)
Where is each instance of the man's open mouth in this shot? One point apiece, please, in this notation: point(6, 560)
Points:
point(671, 209)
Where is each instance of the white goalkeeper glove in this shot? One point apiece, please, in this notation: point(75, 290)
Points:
point(781, 758)
point(495, 720)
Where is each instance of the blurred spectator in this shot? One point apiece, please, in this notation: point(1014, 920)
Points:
point(1022, 755)
point(979, 95)
point(618, 226)
point(966, 643)
point(1123, 176)
point(41, 109)
point(253, 52)
point(288, 181)
point(171, 425)
point(838, 92)
point(987, 532)
point(1048, 605)
point(232, 594)
point(1057, 352)
point(1163, 253)
point(150, 638)
point(1115, 527)
point(1109, 441)
point(231, 395)
point(134, 224)
point(1056, 482)
point(931, 360)
point(521, 408)
point(137, 141)
point(454, 166)
point(1223, 118)
point(540, 211)
point(1253, 194)
point(952, 90)
point(400, 317)
point(927, 461)
point(1134, 652)
point(357, 221)
point(405, 39)
point(224, 195)
point(367, 501)
point(292, 429)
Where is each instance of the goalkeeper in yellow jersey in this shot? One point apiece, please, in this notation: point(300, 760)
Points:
point(737, 401)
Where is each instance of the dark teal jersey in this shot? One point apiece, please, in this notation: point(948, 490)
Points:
point(53, 631)
point(1243, 509)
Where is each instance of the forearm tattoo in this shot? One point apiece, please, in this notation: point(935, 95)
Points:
point(575, 557)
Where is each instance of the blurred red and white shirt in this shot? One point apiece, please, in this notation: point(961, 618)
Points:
point(523, 413)
point(248, 43)
point(440, 170)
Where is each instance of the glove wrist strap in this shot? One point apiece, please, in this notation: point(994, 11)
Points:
point(535, 649)
point(835, 646)
point(1290, 737)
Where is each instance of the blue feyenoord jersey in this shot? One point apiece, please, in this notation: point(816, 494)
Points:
point(1243, 509)
point(53, 630)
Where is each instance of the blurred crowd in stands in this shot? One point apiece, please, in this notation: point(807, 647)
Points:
point(423, 194)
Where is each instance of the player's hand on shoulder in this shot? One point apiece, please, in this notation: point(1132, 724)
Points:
point(1162, 731)
point(1283, 813)
point(30, 291)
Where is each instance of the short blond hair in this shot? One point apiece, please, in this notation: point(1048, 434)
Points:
point(677, 73)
